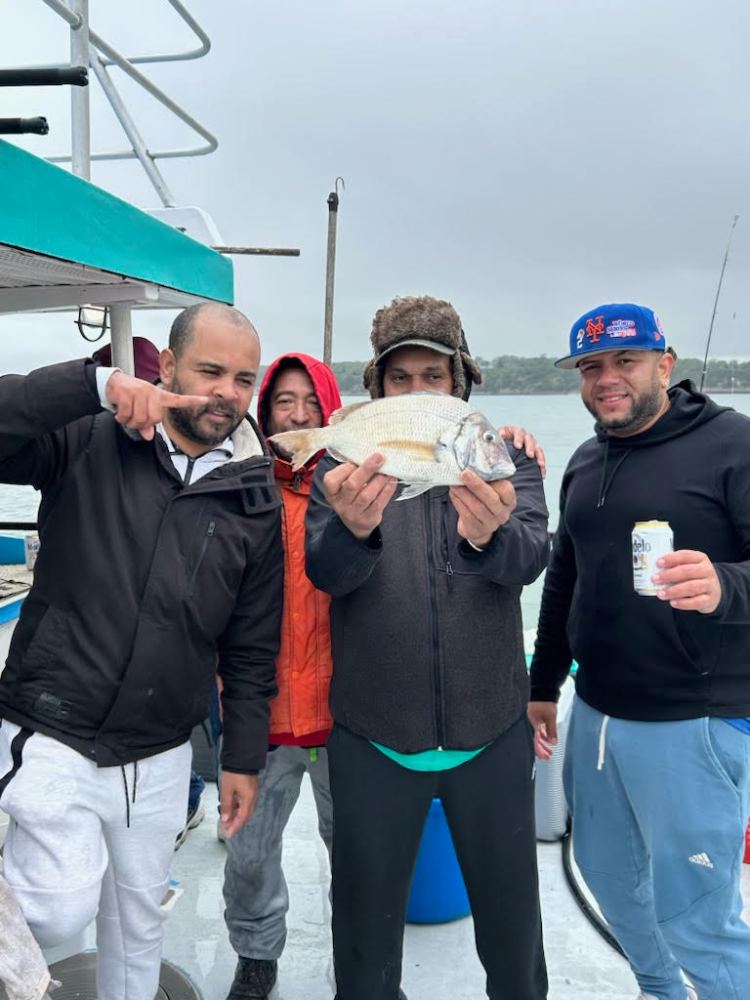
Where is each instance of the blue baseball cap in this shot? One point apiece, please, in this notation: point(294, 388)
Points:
point(620, 326)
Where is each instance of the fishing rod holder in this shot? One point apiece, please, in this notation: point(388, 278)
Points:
point(24, 126)
point(50, 76)
point(54, 76)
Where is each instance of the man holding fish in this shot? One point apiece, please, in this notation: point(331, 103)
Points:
point(429, 687)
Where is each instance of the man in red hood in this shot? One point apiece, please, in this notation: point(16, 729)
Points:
point(297, 392)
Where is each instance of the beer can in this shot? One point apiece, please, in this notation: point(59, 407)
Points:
point(651, 540)
point(30, 547)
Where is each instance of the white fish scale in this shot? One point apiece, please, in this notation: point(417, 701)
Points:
point(421, 419)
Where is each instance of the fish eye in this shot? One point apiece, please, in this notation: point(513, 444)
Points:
point(489, 437)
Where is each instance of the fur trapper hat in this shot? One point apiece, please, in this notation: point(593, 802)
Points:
point(420, 321)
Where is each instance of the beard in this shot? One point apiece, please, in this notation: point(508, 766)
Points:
point(186, 421)
point(644, 408)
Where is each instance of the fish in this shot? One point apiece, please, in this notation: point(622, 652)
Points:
point(426, 438)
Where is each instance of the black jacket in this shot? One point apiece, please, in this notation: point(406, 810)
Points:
point(141, 583)
point(426, 633)
point(638, 658)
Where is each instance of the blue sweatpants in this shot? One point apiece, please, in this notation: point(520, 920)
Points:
point(659, 814)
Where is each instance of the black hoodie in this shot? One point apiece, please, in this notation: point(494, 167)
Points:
point(639, 658)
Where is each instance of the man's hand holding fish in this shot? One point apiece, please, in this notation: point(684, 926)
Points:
point(482, 507)
point(359, 494)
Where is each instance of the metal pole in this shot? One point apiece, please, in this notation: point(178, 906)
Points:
point(122, 337)
point(333, 208)
point(259, 251)
point(79, 96)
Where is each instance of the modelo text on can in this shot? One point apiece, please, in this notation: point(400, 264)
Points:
point(651, 540)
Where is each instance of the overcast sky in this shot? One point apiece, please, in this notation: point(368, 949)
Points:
point(526, 159)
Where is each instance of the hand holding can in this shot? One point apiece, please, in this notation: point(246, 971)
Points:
point(650, 541)
point(688, 580)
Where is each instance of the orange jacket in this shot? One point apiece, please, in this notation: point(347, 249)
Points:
point(304, 665)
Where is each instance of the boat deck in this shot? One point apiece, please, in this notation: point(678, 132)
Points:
point(440, 962)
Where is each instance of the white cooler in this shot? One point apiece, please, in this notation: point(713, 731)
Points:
point(549, 798)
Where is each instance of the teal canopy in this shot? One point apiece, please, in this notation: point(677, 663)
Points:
point(65, 242)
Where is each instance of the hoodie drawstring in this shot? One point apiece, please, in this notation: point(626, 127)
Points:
point(606, 481)
point(127, 790)
point(602, 743)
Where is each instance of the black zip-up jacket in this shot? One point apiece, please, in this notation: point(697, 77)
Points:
point(639, 658)
point(142, 585)
point(426, 633)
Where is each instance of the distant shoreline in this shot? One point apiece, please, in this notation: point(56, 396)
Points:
point(509, 375)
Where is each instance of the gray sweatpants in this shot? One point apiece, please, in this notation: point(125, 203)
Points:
point(86, 842)
point(255, 890)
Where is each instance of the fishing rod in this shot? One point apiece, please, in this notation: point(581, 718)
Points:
point(716, 302)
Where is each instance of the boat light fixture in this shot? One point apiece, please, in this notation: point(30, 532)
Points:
point(93, 322)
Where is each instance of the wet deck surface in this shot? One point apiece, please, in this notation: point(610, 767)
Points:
point(439, 960)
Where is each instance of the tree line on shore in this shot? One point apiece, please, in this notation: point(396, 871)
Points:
point(511, 374)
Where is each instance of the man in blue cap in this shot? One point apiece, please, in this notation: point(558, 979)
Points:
point(657, 767)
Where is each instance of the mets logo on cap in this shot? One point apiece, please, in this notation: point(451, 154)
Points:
point(620, 326)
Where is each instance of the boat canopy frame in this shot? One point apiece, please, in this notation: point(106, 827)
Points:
point(65, 243)
point(90, 49)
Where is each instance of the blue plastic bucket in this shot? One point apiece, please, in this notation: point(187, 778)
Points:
point(438, 893)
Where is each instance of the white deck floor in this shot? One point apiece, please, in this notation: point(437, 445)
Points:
point(439, 960)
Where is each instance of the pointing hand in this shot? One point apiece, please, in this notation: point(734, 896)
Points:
point(140, 405)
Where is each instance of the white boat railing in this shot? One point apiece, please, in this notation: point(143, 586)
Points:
point(91, 50)
point(88, 50)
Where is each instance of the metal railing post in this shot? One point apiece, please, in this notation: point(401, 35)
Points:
point(79, 96)
point(122, 337)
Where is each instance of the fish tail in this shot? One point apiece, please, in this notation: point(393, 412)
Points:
point(301, 445)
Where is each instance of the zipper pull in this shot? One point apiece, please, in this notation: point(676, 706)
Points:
point(297, 481)
point(448, 568)
point(211, 529)
point(313, 754)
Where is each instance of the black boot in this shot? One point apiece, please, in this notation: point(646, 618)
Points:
point(253, 979)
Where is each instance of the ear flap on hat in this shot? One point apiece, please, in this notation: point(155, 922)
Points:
point(470, 369)
point(372, 379)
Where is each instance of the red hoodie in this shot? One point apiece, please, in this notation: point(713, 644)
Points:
point(299, 713)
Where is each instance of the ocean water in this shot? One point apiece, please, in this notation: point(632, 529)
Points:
point(560, 424)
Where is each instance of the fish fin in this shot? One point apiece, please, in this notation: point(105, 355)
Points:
point(345, 411)
point(335, 453)
point(418, 450)
point(414, 490)
point(301, 445)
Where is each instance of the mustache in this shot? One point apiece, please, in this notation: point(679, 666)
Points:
point(217, 409)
